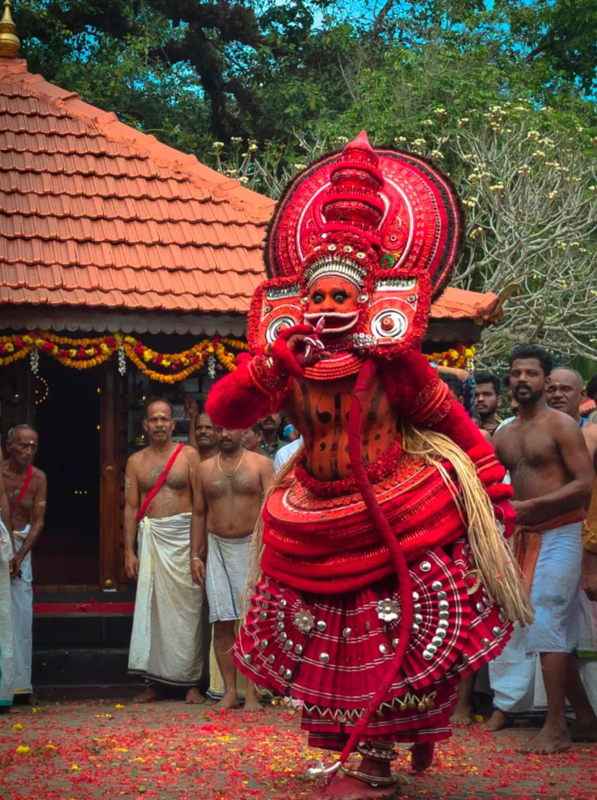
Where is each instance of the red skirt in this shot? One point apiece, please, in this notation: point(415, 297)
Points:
point(330, 652)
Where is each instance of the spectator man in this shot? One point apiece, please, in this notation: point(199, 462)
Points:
point(487, 399)
point(203, 435)
point(592, 394)
point(232, 486)
point(252, 438)
point(26, 487)
point(162, 508)
point(7, 569)
point(550, 470)
point(271, 441)
point(565, 392)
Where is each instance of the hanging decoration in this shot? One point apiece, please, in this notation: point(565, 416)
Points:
point(162, 367)
point(460, 357)
point(86, 353)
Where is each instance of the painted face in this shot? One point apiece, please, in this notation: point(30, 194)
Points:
point(332, 306)
point(527, 380)
point(563, 392)
point(24, 446)
point(159, 423)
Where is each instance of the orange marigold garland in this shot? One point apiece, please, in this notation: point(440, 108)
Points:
point(163, 367)
point(86, 353)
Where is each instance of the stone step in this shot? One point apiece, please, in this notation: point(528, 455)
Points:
point(82, 630)
point(90, 666)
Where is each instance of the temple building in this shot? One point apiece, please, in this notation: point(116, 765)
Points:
point(126, 272)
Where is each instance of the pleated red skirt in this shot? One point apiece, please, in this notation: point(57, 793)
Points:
point(330, 652)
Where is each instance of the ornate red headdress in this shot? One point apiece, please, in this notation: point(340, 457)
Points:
point(387, 221)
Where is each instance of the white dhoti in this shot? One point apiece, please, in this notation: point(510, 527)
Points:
point(226, 573)
point(7, 662)
point(515, 675)
point(22, 618)
point(166, 644)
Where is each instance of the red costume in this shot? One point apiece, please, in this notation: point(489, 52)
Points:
point(372, 604)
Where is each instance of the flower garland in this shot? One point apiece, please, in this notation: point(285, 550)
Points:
point(162, 367)
point(86, 353)
point(459, 357)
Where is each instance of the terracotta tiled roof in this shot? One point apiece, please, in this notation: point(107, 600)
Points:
point(458, 304)
point(94, 213)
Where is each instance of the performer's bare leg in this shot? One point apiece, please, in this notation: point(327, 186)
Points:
point(372, 779)
point(553, 736)
point(422, 756)
point(464, 710)
point(585, 727)
point(223, 643)
point(152, 694)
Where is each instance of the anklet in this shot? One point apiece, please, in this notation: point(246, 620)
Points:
point(373, 780)
point(377, 751)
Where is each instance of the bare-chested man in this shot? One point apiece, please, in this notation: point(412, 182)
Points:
point(203, 435)
point(7, 569)
point(26, 487)
point(163, 505)
point(565, 392)
point(233, 483)
point(550, 470)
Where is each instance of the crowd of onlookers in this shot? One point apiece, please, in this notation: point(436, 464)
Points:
point(540, 417)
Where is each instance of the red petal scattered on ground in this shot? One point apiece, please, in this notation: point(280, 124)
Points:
point(165, 752)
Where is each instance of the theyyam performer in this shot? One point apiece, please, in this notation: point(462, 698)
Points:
point(382, 575)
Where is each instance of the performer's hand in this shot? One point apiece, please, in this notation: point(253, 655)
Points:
point(198, 571)
point(131, 566)
point(589, 574)
point(305, 345)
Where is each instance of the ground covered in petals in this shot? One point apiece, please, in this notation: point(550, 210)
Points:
point(105, 751)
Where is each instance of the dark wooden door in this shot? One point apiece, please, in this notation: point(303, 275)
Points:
point(113, 455)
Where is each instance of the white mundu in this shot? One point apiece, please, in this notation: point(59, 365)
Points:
point(166, 644)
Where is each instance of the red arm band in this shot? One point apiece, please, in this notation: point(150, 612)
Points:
point(257, 387)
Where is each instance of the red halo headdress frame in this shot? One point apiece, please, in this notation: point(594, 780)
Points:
point(384, 217)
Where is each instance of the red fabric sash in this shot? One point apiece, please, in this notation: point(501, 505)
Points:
point(19, 499)
point(159, 483)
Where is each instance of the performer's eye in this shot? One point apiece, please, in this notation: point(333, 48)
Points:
point(317, 298)
point(340, 297)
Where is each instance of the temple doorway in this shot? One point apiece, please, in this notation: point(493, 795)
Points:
point(67, 413)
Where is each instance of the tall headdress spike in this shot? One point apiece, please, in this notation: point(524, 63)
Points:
point(10, 44)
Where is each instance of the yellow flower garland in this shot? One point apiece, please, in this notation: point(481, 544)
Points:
point(86, 353)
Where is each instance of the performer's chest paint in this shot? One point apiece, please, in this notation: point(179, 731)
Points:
point(320, 410)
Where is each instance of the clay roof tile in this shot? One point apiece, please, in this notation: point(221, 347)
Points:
point(93, 212)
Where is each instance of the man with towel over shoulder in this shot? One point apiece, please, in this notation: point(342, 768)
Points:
point(233, 486)
point(162, 508)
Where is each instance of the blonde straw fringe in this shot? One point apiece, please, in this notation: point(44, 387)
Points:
point(492, 555)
